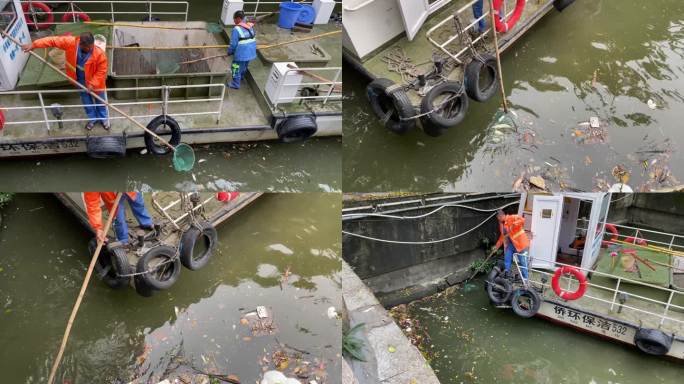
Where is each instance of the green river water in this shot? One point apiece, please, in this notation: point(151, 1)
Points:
point(118, 334)
point(473, 342)
point(636, 50)
point(313, 166)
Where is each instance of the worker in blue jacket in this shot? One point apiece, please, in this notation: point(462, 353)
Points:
point(243, 48)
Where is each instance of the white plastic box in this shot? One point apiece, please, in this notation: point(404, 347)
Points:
point(12, 58)
point(229, 9)
point(276, 89)
point(323, 8)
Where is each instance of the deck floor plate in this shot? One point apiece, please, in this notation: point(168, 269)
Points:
point(661, 275)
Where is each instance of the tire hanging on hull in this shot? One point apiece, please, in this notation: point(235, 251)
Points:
point(391, 105)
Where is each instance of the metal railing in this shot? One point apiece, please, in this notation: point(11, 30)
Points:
point(638, 234)
point(253, 6)
point(329, 94)
point(74, 7)
point(443, 46)
point(616, 291)
point(185, 211)
point(164, 102)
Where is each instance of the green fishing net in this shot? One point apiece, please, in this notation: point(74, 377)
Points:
point(183, 158)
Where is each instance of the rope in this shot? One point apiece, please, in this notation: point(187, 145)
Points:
point(399, 62)
point(420, 242)
point(466, 39)
point(429, 213)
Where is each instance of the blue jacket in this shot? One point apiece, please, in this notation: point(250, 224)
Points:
point(243, 43)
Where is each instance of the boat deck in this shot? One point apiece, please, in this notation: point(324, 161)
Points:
point(419, 51)
point(215, 212)
point(204, 115)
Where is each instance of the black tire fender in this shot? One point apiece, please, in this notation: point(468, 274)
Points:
point(472, 78)
point(391, 105)
point(157, 125)
point(162, 277)
point(560, 5)
point(499, 291)
point(653, 341)
point(437, 119)
point(534, 302)
point(493, 274)
point(106, 147)
point(297, 128)
point(205, 232)
point(111, 264)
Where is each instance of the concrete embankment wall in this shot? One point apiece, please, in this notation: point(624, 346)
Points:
point(400, 273)
point(660, 211)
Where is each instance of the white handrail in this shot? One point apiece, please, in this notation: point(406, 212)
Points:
point(442, 46)
point(74, 6)
point(616, 290)
point(164, 102)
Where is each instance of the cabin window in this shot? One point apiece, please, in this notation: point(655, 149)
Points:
point(7, 14)
point(547, 213)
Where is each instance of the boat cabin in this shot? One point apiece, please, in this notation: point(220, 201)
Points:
point(560, 225)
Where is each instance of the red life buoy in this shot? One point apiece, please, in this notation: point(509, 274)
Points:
point(2, 120)
point(636, 241)
point(565, 295)
point(75, 17)
point(611, 228)
point(49, 17)
point(502, 26)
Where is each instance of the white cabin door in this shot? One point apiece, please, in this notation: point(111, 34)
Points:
point(415, 12)
point(546, 219)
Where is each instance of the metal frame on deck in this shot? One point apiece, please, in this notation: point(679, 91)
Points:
point(164, 101)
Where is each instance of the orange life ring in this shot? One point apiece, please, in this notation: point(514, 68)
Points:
point(565, 295)
point(49, 20)
point(75, 17)
point(611, 228)
point(505, 26)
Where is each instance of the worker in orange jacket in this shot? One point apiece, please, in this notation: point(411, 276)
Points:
point(93, 201)
point(87, 64)
point(514, 239)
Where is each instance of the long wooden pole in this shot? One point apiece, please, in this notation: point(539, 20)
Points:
point(93, 94)
point(498, 55)
point(84, 286)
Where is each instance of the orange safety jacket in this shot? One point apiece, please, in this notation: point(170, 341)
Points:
point(93, 208)
point(95, 68)
point(515, 227)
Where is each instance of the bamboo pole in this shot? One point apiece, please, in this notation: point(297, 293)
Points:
point(498, 55)
point(84, 286)
point(91, 93)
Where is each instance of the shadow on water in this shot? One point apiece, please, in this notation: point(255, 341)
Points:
point(622, 62)
point(471, 341)
point(119, 335)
